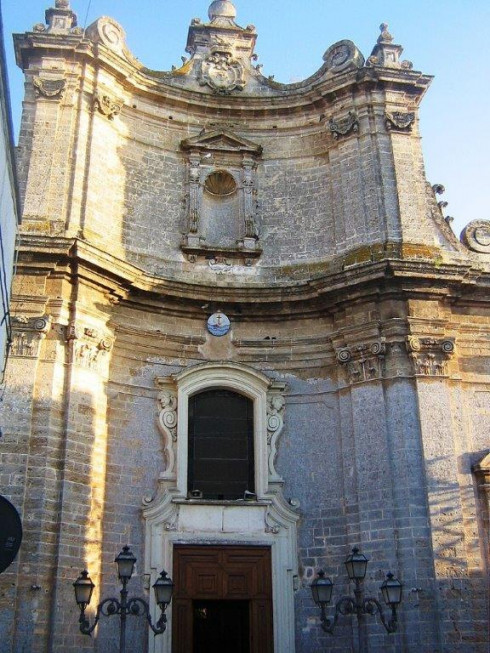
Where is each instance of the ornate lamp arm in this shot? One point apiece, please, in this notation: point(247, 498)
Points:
point(139, 607)
point(345, 605)
point(108, 607)
point(372, 606)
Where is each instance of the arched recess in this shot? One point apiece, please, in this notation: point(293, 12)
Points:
point(172, 517)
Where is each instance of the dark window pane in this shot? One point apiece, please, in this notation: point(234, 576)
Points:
point(221, 456)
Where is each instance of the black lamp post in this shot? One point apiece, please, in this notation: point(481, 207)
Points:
point(356, 565)
point(135, 607)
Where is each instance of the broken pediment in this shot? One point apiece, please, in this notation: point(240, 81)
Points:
point(221, 141)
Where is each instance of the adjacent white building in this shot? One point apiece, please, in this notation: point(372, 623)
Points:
point(9, 206)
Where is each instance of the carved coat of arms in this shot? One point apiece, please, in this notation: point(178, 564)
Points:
point(222, 72)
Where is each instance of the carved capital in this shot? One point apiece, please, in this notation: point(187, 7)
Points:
point(430, 355)
point(27, 334)
point(344, 126)
point(363, 362)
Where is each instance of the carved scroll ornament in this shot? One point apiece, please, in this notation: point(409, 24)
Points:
point(167, 424)
point(107, 106)
point(275, 424)
point(49, 88)
point(344, 126)
point(399, 121)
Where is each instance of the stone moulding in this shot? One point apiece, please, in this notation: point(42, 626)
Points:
point(400, 121)
point(344, 126)
point(430, 356)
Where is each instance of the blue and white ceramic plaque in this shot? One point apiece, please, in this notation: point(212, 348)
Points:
point(218, 324)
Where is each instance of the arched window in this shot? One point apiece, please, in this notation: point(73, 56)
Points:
point(220, 444)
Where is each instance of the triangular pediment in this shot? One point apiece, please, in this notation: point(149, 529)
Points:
point(221, 141)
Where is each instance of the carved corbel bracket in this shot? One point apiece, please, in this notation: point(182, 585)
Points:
point(27, 334)
point(167, 424)
point(275, 423)
point(363, 362)
point(430, 356)
point(105, 105)
point(400, 121)
point(344, 126)
point(51, 89)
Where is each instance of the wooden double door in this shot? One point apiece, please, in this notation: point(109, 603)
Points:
point(222, 600)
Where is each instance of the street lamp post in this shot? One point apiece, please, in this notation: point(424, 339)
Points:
point(135, 607)
point(360, 605)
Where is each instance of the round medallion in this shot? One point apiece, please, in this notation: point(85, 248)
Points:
point(482, 236)
point(343, 55)
point(218, 324)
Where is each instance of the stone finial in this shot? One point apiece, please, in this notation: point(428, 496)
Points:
point(221, 9)
point(60, 19)
point(385, 36)
point(386, 53)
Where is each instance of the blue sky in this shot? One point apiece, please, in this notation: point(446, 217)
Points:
point(445, 38)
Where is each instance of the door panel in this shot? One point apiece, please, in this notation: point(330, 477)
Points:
point(232, 584)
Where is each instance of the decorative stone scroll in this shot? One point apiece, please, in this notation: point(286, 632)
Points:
point(275, 424)
point(107, 106)
point(167, 425)
point(399, 121)
point(28, 332)
point(344, 126)
point(52, 89)
point(364, 362)
point(430, 356)
point(476, 236)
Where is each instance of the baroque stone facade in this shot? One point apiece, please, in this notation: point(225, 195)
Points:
point(349, 315)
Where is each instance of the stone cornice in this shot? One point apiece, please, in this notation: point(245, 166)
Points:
point(317, 91)
point(326, 289)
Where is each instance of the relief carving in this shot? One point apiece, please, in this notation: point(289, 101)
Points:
point(399, 121)
point(89, 349)
point(275, 424)
point(28, 332)
point(430, 356)
point(49, 88)
point(167, 425)
point(344, 126)
point(222, 72)
point(363, 362)
point(107, 106)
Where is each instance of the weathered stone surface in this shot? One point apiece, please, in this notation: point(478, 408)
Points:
point(357, 318)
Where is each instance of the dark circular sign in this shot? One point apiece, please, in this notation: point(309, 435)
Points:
point(10, 533)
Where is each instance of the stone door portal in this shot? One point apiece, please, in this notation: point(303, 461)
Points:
point(223, 600)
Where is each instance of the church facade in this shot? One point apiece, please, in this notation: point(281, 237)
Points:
point(246, 340)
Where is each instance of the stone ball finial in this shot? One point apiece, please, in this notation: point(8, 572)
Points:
point(62, 4)
point(385, 36)
point(221, 9)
